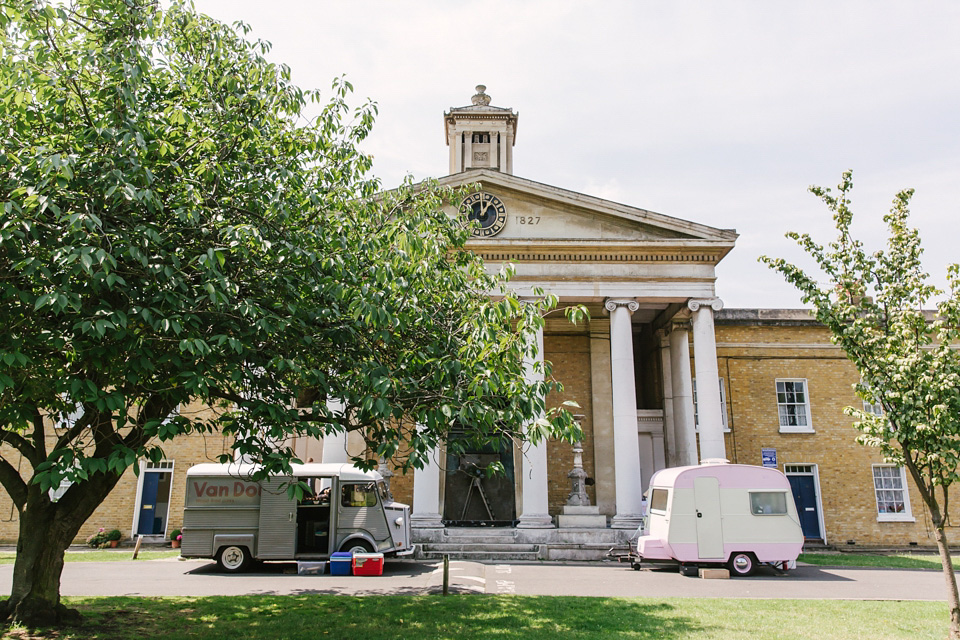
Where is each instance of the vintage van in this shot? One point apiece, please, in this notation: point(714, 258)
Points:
point(718, 514)
point(228, 518)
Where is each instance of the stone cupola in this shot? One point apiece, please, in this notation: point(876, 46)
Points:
point(481, 136)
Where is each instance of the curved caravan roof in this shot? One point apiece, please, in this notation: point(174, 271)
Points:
point(731, 476)
point(312, 469)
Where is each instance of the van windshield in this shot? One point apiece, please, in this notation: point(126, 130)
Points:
point(359, 495)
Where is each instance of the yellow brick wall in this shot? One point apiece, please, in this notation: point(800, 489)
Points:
point(751, 359)
point(570, 355)
point(117, 511)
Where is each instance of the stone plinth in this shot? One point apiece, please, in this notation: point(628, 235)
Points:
point(582, 517)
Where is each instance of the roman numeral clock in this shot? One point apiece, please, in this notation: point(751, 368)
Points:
point(487, 210)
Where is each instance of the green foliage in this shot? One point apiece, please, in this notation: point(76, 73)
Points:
point(175, 534)
point(114, 534)
point(874, 305)
point(98, 539)
point(176, 228)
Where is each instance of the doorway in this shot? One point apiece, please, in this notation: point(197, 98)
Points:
point(473, 497)
point(153, 498)
point(805, 486)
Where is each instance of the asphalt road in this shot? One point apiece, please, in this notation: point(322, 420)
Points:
point(175, 577)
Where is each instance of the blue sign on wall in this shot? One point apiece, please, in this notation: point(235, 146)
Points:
point(769, 457)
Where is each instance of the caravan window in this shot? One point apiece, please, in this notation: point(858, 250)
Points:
point(658, 500)
point(765, 503)
point(359, 495)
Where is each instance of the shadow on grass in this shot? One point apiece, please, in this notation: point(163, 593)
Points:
point(349, 617)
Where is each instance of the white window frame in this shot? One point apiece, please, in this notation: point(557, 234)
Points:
point(904, 516)
point(723, 407)
point(164, 466)
point(807, 428)
point(809, 469)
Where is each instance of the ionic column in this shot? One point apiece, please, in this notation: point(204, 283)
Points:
point(684, 427)
point(426, 495)
point(708, 379)
point(626, 451)
point(669, 431)
point(534, 508)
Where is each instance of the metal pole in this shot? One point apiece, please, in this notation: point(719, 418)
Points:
point(446, 574)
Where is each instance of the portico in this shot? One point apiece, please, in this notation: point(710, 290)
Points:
point(648, 282)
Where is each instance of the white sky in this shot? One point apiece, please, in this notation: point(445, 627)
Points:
point(721, 113)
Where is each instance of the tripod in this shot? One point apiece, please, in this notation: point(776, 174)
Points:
point(475, 484)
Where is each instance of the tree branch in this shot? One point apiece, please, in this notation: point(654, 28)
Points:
point(21, 444)
point(12, 481)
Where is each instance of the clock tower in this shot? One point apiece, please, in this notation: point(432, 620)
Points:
point(481, 136)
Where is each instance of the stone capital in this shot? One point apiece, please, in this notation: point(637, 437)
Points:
point(611, 304)
point(694, 304)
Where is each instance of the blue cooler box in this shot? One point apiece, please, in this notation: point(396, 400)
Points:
point(341, 563)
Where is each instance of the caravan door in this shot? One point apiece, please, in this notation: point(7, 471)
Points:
point(706, 497)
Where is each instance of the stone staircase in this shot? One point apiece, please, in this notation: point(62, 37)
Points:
point(511, 545)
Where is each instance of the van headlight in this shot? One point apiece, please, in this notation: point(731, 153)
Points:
point(399, 521)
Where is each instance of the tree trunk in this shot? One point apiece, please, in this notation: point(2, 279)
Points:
point(953, 599)
point(46, 530)
point(35, 594)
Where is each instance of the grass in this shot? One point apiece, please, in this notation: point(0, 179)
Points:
point(492, 618)
point(7, 557)
point(891, 561)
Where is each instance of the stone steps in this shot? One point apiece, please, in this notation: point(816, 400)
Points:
point(480, 553)
point(492, 544)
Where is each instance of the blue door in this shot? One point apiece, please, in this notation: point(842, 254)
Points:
point(147, 524)
point(805, 496)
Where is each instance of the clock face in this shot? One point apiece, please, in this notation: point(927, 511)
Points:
point(487, 210)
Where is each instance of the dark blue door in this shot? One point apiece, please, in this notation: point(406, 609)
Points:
point(805, 496)
point(148, 505)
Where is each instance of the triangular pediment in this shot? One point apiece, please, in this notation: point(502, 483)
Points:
point(537, 213)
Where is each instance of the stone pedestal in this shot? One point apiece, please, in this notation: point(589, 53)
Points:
point(582, 517)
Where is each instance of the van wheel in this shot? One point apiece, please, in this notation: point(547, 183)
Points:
point(233, 559)
point(742, 564)
point(357, 546)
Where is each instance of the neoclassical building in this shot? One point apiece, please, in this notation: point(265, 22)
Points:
point(663, 374)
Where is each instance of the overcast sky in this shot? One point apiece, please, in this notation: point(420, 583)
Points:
point(722, 113)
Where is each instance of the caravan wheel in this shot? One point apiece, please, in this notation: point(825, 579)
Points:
point(742, 564)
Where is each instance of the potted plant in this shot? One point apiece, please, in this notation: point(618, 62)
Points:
point(175, 538)
point(98, 539)
point(113, 538)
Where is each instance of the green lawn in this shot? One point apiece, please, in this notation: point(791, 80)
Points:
point(492, 617)
point(891, 561)
point(102, 555)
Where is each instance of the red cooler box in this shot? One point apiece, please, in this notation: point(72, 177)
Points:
point(368, 564)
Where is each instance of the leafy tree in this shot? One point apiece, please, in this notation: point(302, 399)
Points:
point(876, 306)
point(176, 228)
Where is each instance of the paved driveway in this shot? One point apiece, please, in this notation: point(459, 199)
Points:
point(199, 578)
